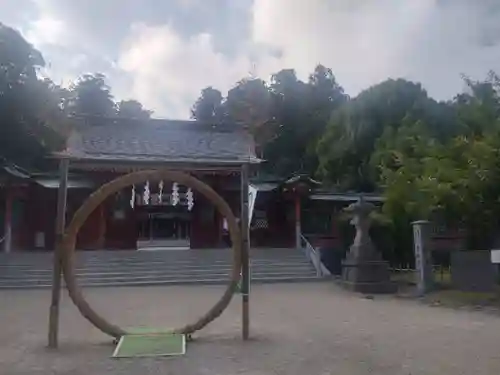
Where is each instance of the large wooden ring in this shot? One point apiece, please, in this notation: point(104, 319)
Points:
point(94, 200)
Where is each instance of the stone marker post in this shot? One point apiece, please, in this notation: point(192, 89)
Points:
point(423, 259)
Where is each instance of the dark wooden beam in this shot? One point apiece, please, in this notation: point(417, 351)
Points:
point(245, 254)
point(57, 268)
point(127, 167)
point(9, 198)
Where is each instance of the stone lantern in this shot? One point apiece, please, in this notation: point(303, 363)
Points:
point(364, 270)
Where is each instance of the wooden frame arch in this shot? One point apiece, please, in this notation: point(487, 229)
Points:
point(96, 198)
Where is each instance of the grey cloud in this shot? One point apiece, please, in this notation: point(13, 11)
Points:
point(17, 13)
point(215, 42)
point(365, 42)
point(103, 24)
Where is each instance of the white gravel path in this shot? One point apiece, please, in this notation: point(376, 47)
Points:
point(297, 329)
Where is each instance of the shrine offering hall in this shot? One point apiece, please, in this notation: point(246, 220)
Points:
point(152, 214)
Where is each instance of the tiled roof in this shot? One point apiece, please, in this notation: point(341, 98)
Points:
point(161, 140)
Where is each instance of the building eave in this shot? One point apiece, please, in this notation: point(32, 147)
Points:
point(345, 197)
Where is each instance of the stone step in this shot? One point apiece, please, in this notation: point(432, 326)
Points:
point(138, 263)
point(163, 279)
point(110, 268)
point(146, 264)
point(156, 263)
point(161, 282)
point(173, 271)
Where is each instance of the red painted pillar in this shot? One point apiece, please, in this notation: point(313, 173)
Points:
point(298, 230)
point(7, 241)
point(101, 240)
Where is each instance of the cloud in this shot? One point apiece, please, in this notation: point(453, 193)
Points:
point(171, 51)
point(365, 42)
point(174, 49)
point(46, 30)
point(169, 71)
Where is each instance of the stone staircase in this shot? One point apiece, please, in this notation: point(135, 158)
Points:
point(164, 267)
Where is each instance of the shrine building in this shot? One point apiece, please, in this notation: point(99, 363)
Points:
point(160, 214)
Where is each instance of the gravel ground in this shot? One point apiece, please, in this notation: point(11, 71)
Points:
point(304, 329)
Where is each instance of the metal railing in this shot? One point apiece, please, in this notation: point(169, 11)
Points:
point(441, 274)
point(314, 256)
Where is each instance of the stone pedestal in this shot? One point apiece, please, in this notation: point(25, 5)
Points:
point(363, 270)
point(371, 277)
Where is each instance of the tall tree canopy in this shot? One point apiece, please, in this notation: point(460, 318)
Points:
point(452, 179)
point(28, 106)
point(91, 95)
point(35, 112)
point(349, 141)
point(132, 109)
point(287, 116)
point(208, 107)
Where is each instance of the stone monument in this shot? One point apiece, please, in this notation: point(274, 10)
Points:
point(364, 270)
point(423, 258)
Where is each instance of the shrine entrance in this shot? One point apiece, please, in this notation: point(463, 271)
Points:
point(164, 226)
point(66, 250)
point(163, 217)
point(163, 229)
point(167, 154)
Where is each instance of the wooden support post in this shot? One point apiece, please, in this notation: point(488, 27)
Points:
point(245, 262)
point(8, 220)
point(56, 277)
point(298, 224)
point(101, 241)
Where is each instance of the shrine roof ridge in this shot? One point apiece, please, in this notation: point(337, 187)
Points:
point(98, 138)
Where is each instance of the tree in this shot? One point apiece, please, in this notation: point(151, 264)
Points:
point(248, 103)
point(286, 152)
point(455, 180)
point(132, 109)
point(208, 107)
point(324, 96)
point(91, 96)
point(345, 149)
point(28, 115)
point(286, 117)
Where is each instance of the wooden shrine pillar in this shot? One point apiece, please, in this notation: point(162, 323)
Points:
point(298, 224)
point(245, 261)
point(62, 195)
point(101, 240)
point(9, 199)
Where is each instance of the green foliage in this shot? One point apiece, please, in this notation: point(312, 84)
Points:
point(286, 116)
point(208, 106)
point(132, 109)
point(34, 112)
point(434, 160)
point(29, 114)
point(91, 95)
point(455, 180)
point(349, 141)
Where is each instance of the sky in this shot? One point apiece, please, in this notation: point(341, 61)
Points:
point(163, 53)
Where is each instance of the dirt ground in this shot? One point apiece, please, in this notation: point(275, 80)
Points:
point(311, 329)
